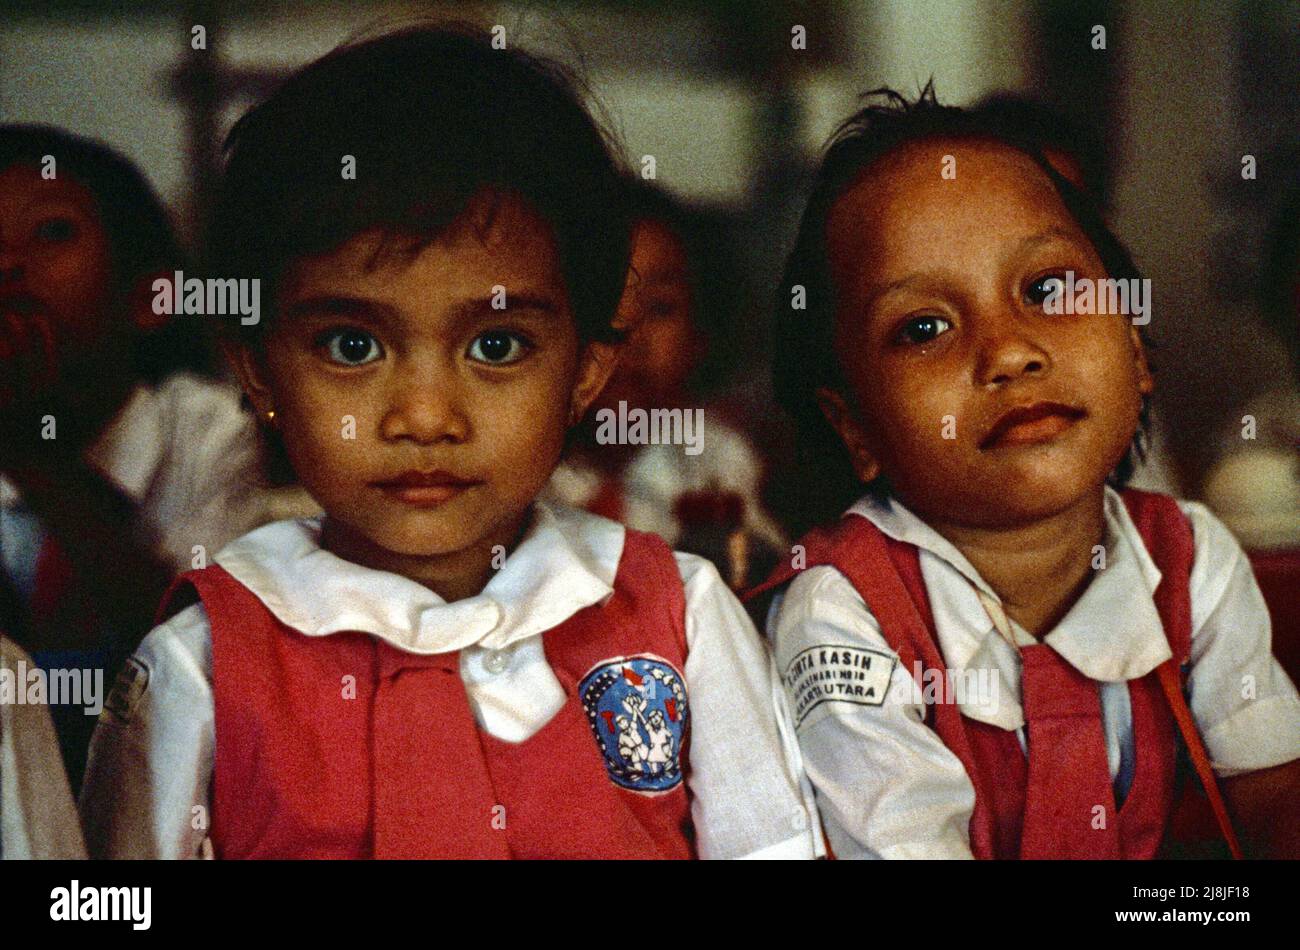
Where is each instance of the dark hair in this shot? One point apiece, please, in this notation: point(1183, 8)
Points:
point(804, 338)
point(434, 116)
point(140, 236)
point(717, 296)
point(1281, 274)
point(1032, 121)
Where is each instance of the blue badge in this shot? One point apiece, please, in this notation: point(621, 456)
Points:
point(637, 708)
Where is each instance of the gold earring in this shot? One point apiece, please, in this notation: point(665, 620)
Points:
point(270, 417)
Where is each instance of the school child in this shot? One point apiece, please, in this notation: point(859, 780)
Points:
point(438, 666)
point(993, 653)
point(118, 462)
point(680, 300)
point(37, 817)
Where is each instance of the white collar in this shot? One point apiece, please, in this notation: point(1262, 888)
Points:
point(566, 561)
point(127, 452)
point(1109, 634)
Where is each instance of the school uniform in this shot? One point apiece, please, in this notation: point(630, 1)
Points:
point(649, 496)
point(185, 453)
point(897, 776)
point(601, 697)
point(37, 816)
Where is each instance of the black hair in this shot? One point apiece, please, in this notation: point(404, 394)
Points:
point(717, 294)
point(434, 117)
point(1032, 121)
point(140, 236)
point(1280, 279)
point(803, 359)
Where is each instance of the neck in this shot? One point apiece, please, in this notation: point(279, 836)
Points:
point(1040, 568)
point(453, 576)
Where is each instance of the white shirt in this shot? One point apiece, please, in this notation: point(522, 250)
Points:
point(185, 452)
point(37, 816)
point(151, 763)
point(888, 787)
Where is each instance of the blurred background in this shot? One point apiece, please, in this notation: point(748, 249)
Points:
point(735, 113)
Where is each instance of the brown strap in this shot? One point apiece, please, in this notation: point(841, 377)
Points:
point(1167, 673)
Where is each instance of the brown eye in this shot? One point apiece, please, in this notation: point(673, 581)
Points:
point(922, 330)
point(1044, 287)
point(56, 230)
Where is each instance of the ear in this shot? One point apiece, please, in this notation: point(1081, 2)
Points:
point(842, 419)
point(141, 298)
point(595, 367)
point(249, 367)
point(1146, 382)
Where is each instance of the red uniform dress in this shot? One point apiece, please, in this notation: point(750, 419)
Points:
point(342, 746)
point(1058, 801)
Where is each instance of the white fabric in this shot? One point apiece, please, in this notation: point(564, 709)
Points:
point(187, 455)
point(151, 768)
point(887, 786)
point(37, 816)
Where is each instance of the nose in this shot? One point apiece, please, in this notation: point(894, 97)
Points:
point(424, 407)
point(1007, 353)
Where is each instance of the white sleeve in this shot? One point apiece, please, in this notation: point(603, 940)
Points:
point(147, 788)
point(1246, 708)
point(37, 817)
point(749, 796)
point(887, 786)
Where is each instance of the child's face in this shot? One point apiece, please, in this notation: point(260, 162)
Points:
point(55, 266)
point(460, 408)
point(663, 346)
point(940, 330)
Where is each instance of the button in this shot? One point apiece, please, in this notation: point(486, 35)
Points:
point(496, 661)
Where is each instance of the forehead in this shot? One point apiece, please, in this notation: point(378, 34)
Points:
point(657, 250)
point(903, 205)
point(22, 185)
point(496, 240)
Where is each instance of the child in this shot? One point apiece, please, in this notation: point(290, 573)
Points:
point(991, 592)
point(37, 817)
point(438, 667)
point(678, 300)
point(117, 464)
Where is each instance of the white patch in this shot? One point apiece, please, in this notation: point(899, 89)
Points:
point(837, 674)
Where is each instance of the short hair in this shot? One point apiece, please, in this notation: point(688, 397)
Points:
point(1033, 121)
point(434, 116)
point(803, 339)
point(140, 236)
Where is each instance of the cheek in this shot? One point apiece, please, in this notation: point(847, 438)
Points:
point(75, 279)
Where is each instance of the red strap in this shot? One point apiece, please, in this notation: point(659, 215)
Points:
point(1169, 682)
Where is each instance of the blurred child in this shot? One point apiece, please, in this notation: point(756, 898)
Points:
point(983, 655)
point(118, 467)
point(705, 500)
point(438, 666)
point(37, 816)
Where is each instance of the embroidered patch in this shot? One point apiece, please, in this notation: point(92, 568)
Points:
point(131, 682)
point(637, 708)
point(837, 674)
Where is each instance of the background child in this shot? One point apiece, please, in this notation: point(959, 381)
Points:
point(438, 666)
point(106, 488)
point(680, 302)
point(990, 549)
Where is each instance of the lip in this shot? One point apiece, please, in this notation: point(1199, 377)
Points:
point(424, 489)
point(1031, 424)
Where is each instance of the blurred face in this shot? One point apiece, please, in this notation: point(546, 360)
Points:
point(663, 347)
point(55, 273)
point(981, 408)
point(460, 408)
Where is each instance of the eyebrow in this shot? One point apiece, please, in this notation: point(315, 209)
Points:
point(1031, 243)
point(363, 308)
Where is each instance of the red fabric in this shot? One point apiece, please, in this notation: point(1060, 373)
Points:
point(402, 770)
point(1278, 574)
point(1043, 805)
point(59, 610)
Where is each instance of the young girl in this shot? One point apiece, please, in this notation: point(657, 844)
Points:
point(983, 654)
point(438, 666)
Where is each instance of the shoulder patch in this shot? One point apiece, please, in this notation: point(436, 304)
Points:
point(836, 674)
point(637, 709)
point(132, 680)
